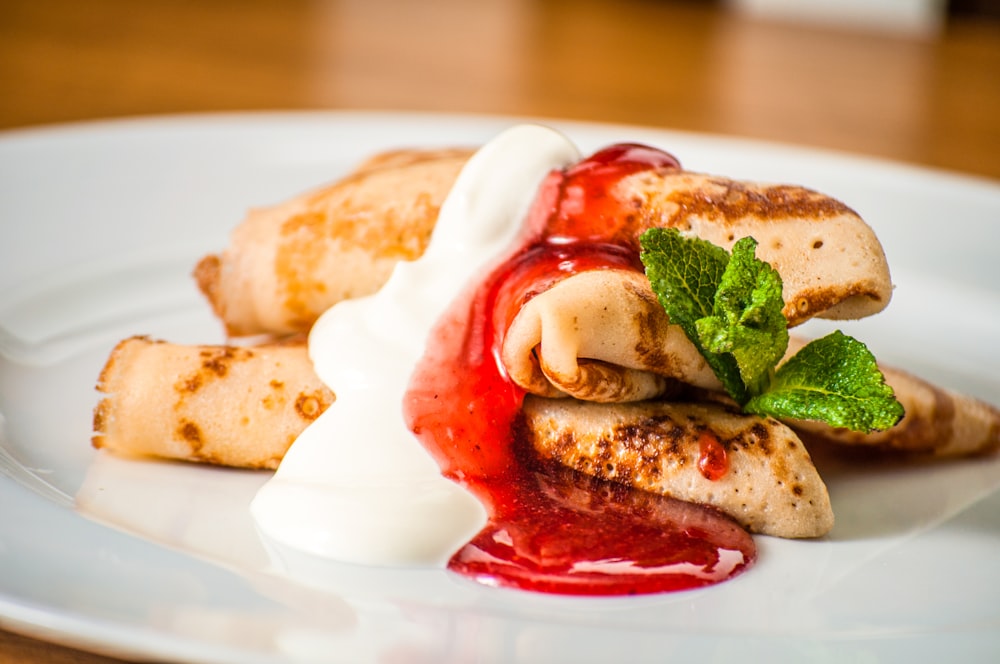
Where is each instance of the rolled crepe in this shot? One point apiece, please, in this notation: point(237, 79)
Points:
point(830, 261)
point(601, 335)
point(938, 422)
point(287, 264)
point(754, 469)
point(225, 405)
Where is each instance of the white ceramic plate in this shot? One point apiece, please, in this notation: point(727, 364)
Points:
point(100, 225)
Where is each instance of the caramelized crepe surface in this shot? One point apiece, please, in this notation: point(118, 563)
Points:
point(286, 264)
point(759, 472)
point(224, 405)
point(831, 263)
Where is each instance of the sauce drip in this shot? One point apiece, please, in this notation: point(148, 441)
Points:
point(550, 528)
point(712, 460)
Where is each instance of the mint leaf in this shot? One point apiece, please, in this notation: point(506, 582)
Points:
point(730, 307)
point(834, 379)
point(685, 274)
point(747, 319)
point(684, 271)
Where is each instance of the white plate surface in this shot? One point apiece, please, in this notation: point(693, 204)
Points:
point(100, 225)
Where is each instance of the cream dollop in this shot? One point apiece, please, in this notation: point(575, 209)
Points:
point(357, 486)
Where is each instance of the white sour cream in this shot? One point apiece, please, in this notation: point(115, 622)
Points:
point(357, 486)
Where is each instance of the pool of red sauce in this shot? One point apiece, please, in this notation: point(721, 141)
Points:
point(551, 529)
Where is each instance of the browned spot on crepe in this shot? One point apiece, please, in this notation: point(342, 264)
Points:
point(310, 405)
point(729, 200)
point(653, 320)
point(215, 364)
point(190, 433)
point(812, 300)
point(769, 485)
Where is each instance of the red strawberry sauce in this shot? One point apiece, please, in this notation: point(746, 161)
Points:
point(550, 528)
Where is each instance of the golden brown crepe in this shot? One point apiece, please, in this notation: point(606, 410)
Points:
point(288, 263)
point(600, 335)
point(224, 405)
point(767, 482)
point(830, 261)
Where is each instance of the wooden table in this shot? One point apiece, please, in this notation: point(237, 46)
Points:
point(930, 100)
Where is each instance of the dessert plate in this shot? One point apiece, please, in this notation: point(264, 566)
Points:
point(100, 226)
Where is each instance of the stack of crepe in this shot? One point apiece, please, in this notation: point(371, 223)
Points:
point(613, 388)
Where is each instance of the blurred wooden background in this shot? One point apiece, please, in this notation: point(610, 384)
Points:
point(928, 95)
point(930, 98)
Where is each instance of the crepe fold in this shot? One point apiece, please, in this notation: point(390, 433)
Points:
point(754, 469)
point(286, 264)
point(831, 263)
point(601, 335)
point(225, 405)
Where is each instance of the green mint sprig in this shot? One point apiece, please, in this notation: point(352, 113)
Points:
point(730, 307)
